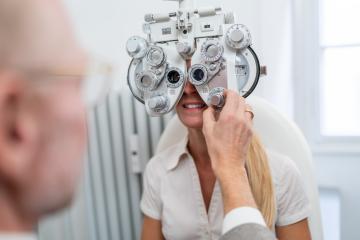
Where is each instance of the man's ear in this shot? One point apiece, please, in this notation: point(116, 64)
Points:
point(17, 134)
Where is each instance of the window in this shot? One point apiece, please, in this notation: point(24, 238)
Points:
point(339, 48)
point(330, 205)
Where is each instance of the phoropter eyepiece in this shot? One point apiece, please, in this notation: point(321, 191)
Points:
point(198, 74)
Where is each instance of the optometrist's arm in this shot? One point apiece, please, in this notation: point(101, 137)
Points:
point(239, 206)
point(151, 229)
point(228, 135)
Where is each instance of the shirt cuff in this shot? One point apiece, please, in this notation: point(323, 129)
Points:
point(240, 216)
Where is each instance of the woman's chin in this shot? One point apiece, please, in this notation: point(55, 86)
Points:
point(192, 122)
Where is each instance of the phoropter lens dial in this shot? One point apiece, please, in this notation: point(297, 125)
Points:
point(238, 36)
point(198, 74)
point(147, 81)
point(211, 50)
point(155, 56)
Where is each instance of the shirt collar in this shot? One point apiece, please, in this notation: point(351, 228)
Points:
point(180, 151)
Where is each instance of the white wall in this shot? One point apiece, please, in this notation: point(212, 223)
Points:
point(275, 50)
point(104, 26)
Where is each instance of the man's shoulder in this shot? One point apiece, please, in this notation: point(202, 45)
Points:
point(249, 231)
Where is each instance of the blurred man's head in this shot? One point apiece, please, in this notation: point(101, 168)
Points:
point(42, 120)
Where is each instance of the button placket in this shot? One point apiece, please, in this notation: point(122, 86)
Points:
point(214, 204)
point(199, 198)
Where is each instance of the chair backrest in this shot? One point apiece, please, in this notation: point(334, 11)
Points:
point(283, 137)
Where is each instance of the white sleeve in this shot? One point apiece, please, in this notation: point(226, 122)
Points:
point(240, 216)
point(150, 203)
point(293, 204)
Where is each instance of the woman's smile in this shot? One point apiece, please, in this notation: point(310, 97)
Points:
point(194, 106)
point(191, 107)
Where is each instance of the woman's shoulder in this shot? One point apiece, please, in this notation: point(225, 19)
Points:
point(160, 161)
point(281, 166)
point(291, 200)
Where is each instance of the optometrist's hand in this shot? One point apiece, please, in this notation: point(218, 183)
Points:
point(228, 135)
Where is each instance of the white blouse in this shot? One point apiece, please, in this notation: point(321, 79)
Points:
point(172, 194)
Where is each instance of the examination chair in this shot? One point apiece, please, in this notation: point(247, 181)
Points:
point(283, 137)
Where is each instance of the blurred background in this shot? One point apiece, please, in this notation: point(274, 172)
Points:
point(312, 51)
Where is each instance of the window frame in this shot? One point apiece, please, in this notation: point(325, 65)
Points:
point(307, 71)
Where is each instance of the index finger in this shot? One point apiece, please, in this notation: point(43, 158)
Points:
point(231, 102)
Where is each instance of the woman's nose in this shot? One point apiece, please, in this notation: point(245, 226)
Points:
point(189, 88)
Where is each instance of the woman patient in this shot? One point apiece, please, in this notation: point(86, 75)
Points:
point(182, 198)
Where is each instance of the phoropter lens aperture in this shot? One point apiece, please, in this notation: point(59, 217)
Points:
point(198, 75)
point(173, 77)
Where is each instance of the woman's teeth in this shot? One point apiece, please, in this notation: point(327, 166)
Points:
point(193, 106)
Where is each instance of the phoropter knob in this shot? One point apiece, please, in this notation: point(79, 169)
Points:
point(158, 103)
point(155, 56)
point(211, 50)
point(183, 48)
point(238, 36)
point(136, 47)
point(217, 100)
point(216, 97)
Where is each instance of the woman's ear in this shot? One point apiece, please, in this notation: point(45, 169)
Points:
point(17, 135)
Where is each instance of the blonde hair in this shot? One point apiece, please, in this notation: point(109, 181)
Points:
point(260, 180)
